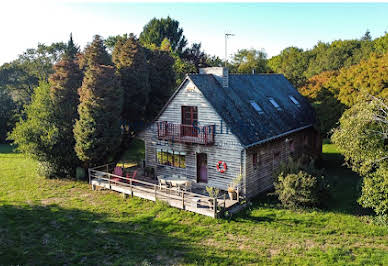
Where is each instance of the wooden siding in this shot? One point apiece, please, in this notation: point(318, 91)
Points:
point(271, 154)
point(226, 148)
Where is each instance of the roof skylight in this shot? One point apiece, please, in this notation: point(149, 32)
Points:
point(257, 107)
point(275, 104)
point(295, 101)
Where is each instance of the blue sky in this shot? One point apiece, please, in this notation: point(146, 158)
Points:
point(268, 26)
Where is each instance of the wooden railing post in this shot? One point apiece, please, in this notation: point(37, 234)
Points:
point(130, 185)
point(155, 191)
point(215, 207)
point(110, 185)
point(183, 200)
point(107, 168)
point(238, 194)
point(90, 178)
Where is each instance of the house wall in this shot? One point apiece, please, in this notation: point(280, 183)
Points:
point(271, 154)
point(226, 148)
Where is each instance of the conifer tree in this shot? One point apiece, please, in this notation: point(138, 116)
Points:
point(64, 83)
point(130, 61)
point(97, 131)
point(162, 80)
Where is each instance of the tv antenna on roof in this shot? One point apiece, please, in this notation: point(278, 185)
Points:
point(227, 35)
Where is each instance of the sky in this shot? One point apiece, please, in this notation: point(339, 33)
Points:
point(268, 26)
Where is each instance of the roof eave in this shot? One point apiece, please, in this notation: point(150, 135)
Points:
point(277, 136)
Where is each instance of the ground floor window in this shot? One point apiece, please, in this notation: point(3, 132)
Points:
point(171, 158)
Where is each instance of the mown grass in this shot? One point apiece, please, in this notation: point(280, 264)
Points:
point(48, 221)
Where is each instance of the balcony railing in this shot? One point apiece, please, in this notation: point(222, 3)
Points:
point(186, 133)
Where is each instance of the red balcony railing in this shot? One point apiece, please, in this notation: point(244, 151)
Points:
point(186, 133)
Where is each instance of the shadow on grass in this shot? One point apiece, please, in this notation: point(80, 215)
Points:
point(45, 235)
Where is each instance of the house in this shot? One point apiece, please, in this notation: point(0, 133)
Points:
point(217, 126)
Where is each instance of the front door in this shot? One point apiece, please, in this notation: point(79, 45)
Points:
point(189, 119)
point(201, 167)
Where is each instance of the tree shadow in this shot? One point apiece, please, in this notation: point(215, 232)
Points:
point(54, 235)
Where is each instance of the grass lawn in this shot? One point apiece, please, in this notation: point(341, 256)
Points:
point(46, 221)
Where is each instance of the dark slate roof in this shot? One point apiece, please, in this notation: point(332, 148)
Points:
point(250, 127)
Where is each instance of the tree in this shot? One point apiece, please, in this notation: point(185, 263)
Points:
point(97, 131)
point(195, 56)
point(292, 62)
point(156, 30)
point(323, 97)
point(130, 61)
point(368, 77)
point(6, 113)
point(36, 135)
point(64, 83)
point(46, 131)
point(162, 80)
point(362, 138)
point(111, 41)
point(248, 61)
point(95, 54)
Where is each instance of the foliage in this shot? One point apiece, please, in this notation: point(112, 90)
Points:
point(6, 113)
point(97, 131)
point(212, 191)
point(161, 79)
point(297, 190)
point(368, 77)
point(65, 82)
point(19, 77)
point(194, 55)
point(298, 184)
point(182, 68)
point(156, 30)
point(362, 138)
point(235, 182)
point(95, 54)
point(323, 98)
point(111, 41)
point(248, 61)
point(37, 135)
point(133, 72)
point(291, 62)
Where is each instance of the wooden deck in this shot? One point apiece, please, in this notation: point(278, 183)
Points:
point(180, 199)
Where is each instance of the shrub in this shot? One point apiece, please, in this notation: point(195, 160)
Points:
point(297, 190)
point(300, 185)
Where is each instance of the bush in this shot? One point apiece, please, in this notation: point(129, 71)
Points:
point(298, 185)
point(297, 190)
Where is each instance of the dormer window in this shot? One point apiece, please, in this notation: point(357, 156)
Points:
point(295, 101)
point(275, 104)
point(257, 107)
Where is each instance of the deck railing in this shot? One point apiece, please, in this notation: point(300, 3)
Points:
point(186, 133)
point(185, 199)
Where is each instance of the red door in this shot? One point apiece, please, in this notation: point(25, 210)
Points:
point(189, 119)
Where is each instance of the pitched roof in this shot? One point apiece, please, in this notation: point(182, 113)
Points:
point(245, 122)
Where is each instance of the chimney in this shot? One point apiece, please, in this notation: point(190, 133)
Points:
point(220, 73)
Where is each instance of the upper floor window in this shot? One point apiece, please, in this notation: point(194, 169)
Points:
point(275, 104)
point(295, 101)
point(257, 107)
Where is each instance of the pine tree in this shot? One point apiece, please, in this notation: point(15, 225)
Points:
point(162, 80)
point(97, 131)
point(65, 81)
point(130, 61)
point(95, 54)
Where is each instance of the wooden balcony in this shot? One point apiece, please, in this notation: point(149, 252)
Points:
point(186, 133)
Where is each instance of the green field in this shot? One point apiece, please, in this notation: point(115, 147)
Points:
point(48, 221)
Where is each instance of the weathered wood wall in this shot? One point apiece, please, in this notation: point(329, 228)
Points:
point(271, 154)
point(226, 147)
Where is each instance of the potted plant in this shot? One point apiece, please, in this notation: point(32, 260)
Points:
point(232, 187)
point(213, 193)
